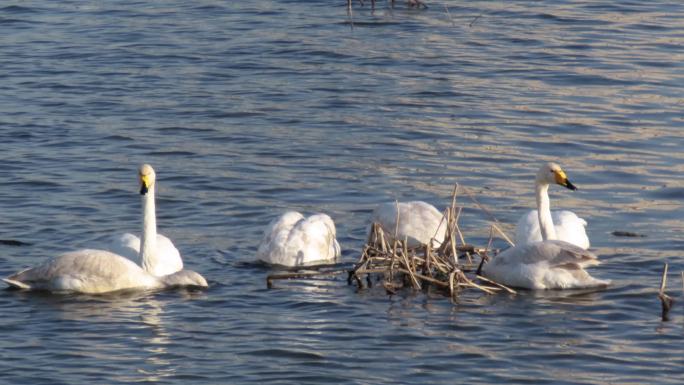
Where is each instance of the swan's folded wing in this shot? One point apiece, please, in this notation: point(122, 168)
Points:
point(527, 229)
point(570, 256)
point(88, 271)
point(274, 240)
point(555, 253)
point(571, 228)
point(127, 245)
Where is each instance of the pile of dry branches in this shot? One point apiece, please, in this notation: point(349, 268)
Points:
point(449, 267)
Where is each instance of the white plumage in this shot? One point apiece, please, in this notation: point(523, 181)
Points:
point(169, 261)
point(563, 225)
point(550, 264)
point(96, 272)
point(569, 228)
point(160, 257)
point(418, 221)
point(293, 240)
point(99, 271)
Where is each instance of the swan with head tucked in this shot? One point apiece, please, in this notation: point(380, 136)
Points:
point(419, 222)
point(563, 225)
point(96, 272)
point(293, 240)
point(550, 263)
point(99, 271)
point(161, 256)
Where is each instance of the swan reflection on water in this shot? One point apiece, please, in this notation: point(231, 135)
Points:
point(132, 326)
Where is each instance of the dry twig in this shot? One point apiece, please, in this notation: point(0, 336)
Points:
point(665, 300)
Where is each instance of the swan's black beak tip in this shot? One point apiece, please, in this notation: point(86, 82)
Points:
point(143, 189)
point(570, 186)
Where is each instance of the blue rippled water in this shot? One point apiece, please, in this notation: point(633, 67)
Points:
point(248, 108)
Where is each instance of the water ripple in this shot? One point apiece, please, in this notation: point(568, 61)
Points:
point(247, 109)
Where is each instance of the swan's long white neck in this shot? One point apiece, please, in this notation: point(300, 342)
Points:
point(548, 230)
point(148, 241)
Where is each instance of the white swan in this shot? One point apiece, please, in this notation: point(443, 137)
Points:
point(550, 263)
point(160, 257)
point(96, 272)
point(563, 225)
point(418, 221)
point(292, 240)
point(99, 271)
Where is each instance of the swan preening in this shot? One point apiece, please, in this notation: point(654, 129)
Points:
point(99, 271)
point(419, 222)
point(293, 240)
point(563, 225)
point(550, 263)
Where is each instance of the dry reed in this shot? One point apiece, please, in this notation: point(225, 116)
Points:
point(400, 266)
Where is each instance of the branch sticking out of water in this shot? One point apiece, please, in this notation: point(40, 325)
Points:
point(665, 300)
point(13, 242)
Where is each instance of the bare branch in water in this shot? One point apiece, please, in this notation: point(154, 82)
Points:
point(665, 300)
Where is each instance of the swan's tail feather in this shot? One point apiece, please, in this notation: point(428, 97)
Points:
point(601, 282)
point(16, 284)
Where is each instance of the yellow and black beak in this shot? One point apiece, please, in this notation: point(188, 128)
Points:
point(144, 184)
point(563, 180)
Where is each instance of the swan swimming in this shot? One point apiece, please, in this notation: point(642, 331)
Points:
point(293, 240)
point(419, 222)
point(96, 272)
point(99, 271)
point(564, 225)
point(550, 263)
point(162, 257)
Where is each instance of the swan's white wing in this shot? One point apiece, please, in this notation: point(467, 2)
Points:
point(84, 271)
point(544, 265)
point(418, 221)
point(569, 227)
point(314, 239)
point(293, 240)
point(527, 230)
point(127, 245)
point(167, 257)
point(272, 246)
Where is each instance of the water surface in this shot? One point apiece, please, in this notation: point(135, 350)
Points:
point(250, 108)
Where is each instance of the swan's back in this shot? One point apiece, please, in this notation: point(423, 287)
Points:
point(127, 245)
point(569, 228)
point(549, 264)
point(293, 240)
point(418, 221)
point(168, 258)
point(84, 271)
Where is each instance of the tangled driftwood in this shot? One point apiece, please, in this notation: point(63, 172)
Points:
point(401, 266)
